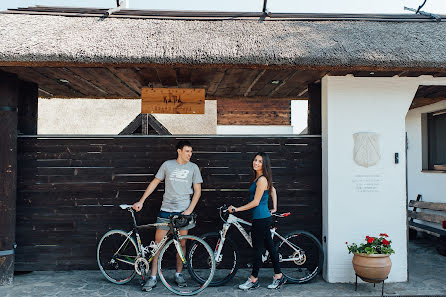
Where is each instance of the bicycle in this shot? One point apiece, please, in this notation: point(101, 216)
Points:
point(121, 255)
point(300, 253)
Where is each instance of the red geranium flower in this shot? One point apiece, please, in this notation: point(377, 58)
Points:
point(373, 245)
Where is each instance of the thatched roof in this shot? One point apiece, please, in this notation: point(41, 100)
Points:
point(36, 38)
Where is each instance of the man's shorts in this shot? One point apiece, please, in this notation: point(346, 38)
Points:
point(163, 217)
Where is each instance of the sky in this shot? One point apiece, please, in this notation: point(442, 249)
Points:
point(296, 6)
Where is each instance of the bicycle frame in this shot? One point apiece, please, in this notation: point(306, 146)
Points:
point(144, 251)
point(233, 220)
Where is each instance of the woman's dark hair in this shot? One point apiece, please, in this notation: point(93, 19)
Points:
point(266, 166)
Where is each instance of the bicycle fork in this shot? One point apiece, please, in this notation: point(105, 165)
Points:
point(217, 253)
point(177, 243)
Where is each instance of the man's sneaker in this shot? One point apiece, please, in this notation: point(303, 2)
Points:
point(179, 279)
point(249, 285)
point(277, 283)
point(149, 285)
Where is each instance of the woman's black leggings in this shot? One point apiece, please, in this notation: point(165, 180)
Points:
point(261, 237)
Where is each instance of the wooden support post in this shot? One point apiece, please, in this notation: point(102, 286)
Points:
point(157, 126)
point(145, 124)
point(9, 89)
point(314, 109)
point(27, 108)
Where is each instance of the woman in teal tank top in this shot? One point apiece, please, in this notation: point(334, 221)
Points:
point(259, 192)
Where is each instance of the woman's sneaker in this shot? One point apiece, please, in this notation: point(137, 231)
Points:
point(249, 285)
point(277, 283)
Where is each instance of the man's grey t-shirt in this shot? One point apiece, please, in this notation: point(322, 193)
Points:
point(179, 179)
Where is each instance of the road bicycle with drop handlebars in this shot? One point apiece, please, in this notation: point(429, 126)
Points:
point(121, 255)
point(300, 253)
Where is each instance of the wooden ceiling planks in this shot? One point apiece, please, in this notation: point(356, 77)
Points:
point(426, 95)
point(376, 74)
point(268, 82)
point(105, 79)
point(126, 81)
point(205, 78)
point(215, 82)
point(130, 76)
point(72, 80)
point(167, 76)
point(419, 102)
point(183, 77)
point(297, 82)
point(51, 85)
point(236, 81)
point(431, 92)
point(149, 77)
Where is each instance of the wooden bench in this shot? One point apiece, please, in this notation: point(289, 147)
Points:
point(438, 217)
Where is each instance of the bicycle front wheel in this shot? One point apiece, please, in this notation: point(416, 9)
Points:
point(226, 263)
point(301, 256)
point(167, 265)
point(116, 256)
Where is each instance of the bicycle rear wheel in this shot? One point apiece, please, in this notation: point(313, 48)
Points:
point(116, 256)
point(226, 264)
point(301, 256)
point(167, 266)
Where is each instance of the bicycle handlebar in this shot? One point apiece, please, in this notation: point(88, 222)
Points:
point(281, 215)
point(191, 216)
point(130, 208)
point(224, 209)
point(177, 221)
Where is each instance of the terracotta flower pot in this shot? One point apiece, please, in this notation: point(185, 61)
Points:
point(372, 268)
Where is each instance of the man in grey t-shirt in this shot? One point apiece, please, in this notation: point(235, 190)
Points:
point(182, 179)
point(179, 179)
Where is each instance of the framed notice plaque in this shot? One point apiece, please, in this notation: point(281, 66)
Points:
point(172, 100)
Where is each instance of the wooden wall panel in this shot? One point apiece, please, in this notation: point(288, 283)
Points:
point(69, 189)
point(9, 101)
point(253, 112)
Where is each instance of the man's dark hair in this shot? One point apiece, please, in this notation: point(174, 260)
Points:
point(183, 143)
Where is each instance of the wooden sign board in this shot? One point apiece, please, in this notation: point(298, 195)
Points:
point(172, 100)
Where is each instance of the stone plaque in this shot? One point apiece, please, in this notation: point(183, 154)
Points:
point(366, 152)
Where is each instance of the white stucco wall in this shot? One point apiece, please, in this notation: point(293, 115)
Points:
point(111, 116)
point(85, 116)
point(299, 116)
point(351, 105)
point(429, 184)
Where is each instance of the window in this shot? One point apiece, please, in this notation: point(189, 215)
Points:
point(436, 140)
